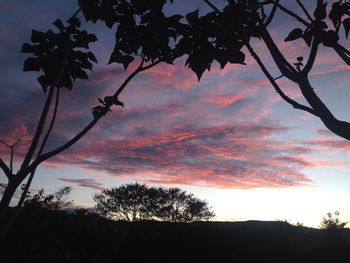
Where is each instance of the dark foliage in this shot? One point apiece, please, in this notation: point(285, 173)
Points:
point(62, 238)
point(332, 222)
point(55, 201)
point(133, 202)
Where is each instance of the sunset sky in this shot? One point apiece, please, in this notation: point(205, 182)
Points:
point(228, 139)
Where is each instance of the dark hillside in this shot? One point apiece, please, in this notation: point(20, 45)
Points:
point(60, 237)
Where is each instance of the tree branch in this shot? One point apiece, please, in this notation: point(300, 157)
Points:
point(52, 123)
point(343, 53)
point(76, 138)
point(341, 128)
point(5, 168)
point(298, 18)
point(45, 111)
point(312, 56)
point(275, 85)
point(281, 62)
point(272, 14)
point(26, 188)
point(305, 10)
point(212, 6)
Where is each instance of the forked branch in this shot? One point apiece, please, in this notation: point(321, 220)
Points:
point(84, 131)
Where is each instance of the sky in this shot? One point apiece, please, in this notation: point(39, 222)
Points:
point(228, 139)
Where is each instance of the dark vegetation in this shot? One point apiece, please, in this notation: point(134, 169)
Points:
point(55, 236)
point(146, 36)
point(44, 233)
point(134, 202)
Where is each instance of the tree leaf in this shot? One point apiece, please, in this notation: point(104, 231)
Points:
point(31, 64)
point(118, 103)
point(78, 73)
point(320, 12)
point(294, 34)
point(236, 57)
point(26, 48)
point(58, 23)
point(191, 17)
point(336, 13)
point(346, 24)
point(307, 36)
point(92, 38)
point(44, 82)
point(74, 21)
point(37, 36)
point(126, 60)
point(92, 57)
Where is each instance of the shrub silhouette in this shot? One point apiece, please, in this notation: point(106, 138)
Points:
point(55, 201)
point(332, 222)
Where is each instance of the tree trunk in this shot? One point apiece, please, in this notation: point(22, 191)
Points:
point(340, 128)
point(4, 204)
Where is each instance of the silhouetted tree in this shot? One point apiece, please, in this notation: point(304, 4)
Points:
point(148, 36)
point(55, 201)
point(62, 55)
point(175, 205)
point(332, 222)
point(127, 202)
point(132, 202)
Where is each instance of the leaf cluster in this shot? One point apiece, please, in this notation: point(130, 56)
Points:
point(42, 201)
point(339, 14)
point(142, 28)
point(133, 202)
point(217, 36)
point(61, 56)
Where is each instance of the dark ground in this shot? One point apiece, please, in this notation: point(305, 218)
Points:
point(60, 237)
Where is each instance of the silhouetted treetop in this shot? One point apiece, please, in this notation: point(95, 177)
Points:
point(133, 202)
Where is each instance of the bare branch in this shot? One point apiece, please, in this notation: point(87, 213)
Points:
point(45, 111)
point(4, 143)
point(292, 14)
point(52, 123)
point(83, 132)
point(5, 168)
point(305, 10)
point(281, 62)
point(275, 85)
point(212, 6)
point(272, 14)
point(343, 53)
point(312, 56)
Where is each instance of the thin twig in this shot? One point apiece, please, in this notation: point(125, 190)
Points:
point(272, 14)
point(312, 56)
point(277, 88)
point(212, 6)
point(298, 18)
point(305, 10)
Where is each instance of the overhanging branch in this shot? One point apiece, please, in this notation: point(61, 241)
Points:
point(277, 88)
point(83, 132)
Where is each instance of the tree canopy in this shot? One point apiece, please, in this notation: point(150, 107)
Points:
point(134, 202)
